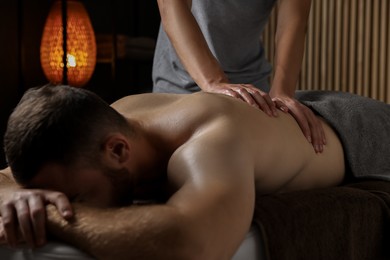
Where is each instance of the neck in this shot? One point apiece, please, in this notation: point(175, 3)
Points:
point(151, 157)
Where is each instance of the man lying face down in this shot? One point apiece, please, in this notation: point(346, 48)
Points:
point(201, 158)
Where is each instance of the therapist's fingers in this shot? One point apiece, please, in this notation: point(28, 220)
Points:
point(247, 97)
point(317, 131)
point(232, 93)
point(309, 123)
point(311, 126)
point(281, 105)
point(265, 102)
point(258, 98)
point(249, 94)
point(303, 124)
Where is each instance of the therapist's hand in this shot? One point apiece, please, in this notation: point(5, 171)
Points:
point(310, 125)
point(247, 93)
point(23, 215)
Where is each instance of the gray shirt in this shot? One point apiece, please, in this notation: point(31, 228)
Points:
point(232, 29)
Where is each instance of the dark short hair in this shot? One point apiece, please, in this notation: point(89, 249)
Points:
point(58, 124)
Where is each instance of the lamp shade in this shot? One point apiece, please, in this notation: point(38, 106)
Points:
point(80, 45)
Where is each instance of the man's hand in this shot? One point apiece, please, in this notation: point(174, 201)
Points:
point(311, 126)
point(23, 211)
point(247, 93)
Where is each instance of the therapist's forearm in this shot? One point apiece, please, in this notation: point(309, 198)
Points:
point(289, 45)
point(190, 44)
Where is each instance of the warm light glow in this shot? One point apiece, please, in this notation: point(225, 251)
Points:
point(71, 61)
point(81, 45)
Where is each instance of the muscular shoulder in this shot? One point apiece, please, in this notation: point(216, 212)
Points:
point(149, 100)
point(214, 151)
point(142, 101)
point(185, 112)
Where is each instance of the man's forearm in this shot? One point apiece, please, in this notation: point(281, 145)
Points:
point(6, 177)
point(136, 232)
point(7, 181)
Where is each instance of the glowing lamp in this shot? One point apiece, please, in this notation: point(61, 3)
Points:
point(69, 20)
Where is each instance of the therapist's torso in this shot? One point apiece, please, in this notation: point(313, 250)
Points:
point(232, 29)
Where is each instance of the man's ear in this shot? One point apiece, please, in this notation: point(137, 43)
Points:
point(116, 150)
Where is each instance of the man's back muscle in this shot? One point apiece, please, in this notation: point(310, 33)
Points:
point(281, 156)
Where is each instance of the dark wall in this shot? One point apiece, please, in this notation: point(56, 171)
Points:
point(21, 26)
point(8, 61)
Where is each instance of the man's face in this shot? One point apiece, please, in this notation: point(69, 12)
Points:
point(93, 186)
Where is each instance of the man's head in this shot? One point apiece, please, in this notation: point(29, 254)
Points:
point(61, 125)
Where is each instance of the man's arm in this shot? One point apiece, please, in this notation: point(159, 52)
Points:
point(207, 218)
point(134, 232)
point(23, 213)
point(6, 179)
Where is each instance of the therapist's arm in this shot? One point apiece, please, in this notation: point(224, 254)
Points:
point(194, 53)
point(289, 45)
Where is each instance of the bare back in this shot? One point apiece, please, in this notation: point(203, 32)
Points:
point(218, 153)
point(282, 157)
